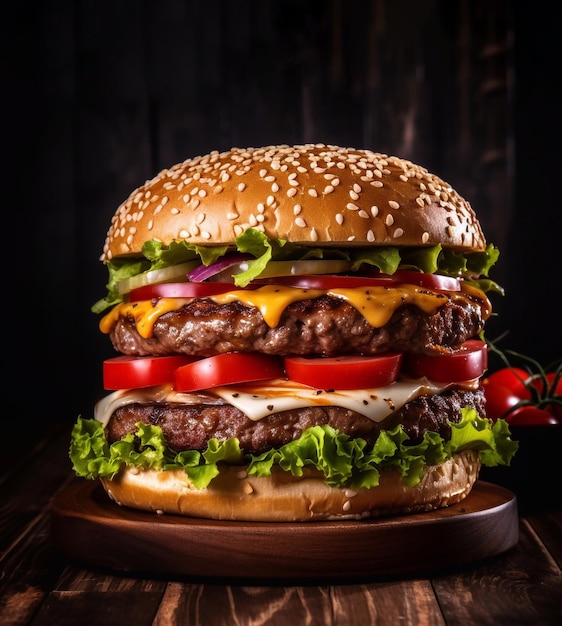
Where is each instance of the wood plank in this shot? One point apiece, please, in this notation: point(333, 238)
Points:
point(549, 530)
point(29, 568)
point(388, 603)
point(214, 605)
point(525, 584)
point(26, 493)
point(92, 608)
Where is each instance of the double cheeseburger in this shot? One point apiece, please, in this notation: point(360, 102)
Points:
point(298, 330)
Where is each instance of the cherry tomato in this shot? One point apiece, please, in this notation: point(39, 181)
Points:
point(133, 372)
point(180, 290)
point(530, 415)
point(512, 378)
point(227, 369)
point(499, 398)
point(468, 362)
point(339, 281)
point(551, 389)
point(344, 372)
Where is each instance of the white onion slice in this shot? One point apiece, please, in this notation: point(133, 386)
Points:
point(290, 268)
point(169, 274)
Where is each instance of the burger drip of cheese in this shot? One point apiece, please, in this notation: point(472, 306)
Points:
point(298, 337)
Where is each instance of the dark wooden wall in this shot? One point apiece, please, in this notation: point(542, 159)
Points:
point(99, 95)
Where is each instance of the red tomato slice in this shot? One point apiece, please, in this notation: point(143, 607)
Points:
point(227, 369)
point(529, 415)
point(344, 372)
point(180, 290)
point(468, 362)
point(339, 281)
point(133, 372)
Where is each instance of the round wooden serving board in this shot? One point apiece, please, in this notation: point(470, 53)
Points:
point(88, 528)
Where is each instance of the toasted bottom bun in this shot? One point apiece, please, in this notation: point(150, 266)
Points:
point(281, 497)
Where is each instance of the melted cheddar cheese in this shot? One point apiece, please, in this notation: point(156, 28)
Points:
point(376, 304)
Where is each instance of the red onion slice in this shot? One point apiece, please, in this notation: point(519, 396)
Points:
point(204, 272)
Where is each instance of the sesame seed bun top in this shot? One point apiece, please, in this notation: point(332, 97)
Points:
point(308, 194)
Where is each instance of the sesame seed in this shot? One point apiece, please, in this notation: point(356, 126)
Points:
point(241, 186)
point(393, 204)
point(339, 218)
point(174, 211)
point(291, 192)
point(389, 220)
point(370, 236)
point(363, 214)
point(270, 200)
point(425, 237)
point(232, 216)
point(313, 235)
point(351, 206)
point(353, 195)
point(357, 188)
point(263, 173)
point(398, 233)
point(313, 193)
point(297, 209)
point(275, 187)
point(300, 222)
point(328, 189)
point(269, 179)
point(374, 211)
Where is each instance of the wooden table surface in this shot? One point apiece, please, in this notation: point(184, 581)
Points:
point(39, 586)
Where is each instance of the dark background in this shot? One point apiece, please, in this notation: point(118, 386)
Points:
point(100, 95)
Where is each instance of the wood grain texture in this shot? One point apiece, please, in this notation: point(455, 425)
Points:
point(89, 528)
point(514, 589)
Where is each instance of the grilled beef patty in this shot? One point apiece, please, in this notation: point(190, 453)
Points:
point(189, 427)
point(325, 326)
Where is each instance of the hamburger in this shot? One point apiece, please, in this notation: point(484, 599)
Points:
point(299, 336)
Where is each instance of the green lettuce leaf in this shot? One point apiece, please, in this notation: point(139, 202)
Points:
point(342, 460)
point(388, 259)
